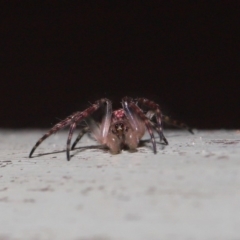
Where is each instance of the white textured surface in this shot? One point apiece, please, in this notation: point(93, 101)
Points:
point(189, 190)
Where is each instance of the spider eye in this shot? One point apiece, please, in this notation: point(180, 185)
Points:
point(119, 127)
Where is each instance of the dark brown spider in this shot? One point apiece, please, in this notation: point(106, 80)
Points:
point(116, 129)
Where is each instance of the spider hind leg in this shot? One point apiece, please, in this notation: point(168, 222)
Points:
point(177, 123)
point(154, 111)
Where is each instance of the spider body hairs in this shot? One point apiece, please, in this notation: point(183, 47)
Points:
point(122, 128)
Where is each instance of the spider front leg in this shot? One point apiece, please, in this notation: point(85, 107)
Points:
point(155, 110)
point(71, 120)
point(67, 121)
point(95, 130)
point(71, 130)
point(134, 113)
point(80, 135)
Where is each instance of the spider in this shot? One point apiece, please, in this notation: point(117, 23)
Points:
point(118, 129)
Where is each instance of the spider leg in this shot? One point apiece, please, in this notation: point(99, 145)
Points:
point(53, 130)
point(99, 130)
point(155, 126)
point(80, 135)
point(132, 110)
point(106, 122)
point(176, 123)
point(71, 130)
point(155, 111)
point(73, 120)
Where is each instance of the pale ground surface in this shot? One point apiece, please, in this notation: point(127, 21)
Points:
point(188, 190)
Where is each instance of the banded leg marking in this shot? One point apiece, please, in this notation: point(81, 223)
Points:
point(80, 135)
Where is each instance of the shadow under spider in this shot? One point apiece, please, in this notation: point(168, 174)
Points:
point(142, 143)
point(78, 148)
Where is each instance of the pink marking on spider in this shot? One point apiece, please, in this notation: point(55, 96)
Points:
point(119, 114)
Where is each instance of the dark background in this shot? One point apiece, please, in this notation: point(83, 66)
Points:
point(57, 56)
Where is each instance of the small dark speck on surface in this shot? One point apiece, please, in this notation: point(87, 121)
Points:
point(182, 153)
point(101, 187)
point(151, 190)
point(4, 199)
point(79, 207)
point(86, 190)
point(132, 217)
point(122, 197)
point(92, 238)
point(46, 189)
point(225, 141)
point(209, 155)
point(29, 200)
point(67, 177)
point(223, 157)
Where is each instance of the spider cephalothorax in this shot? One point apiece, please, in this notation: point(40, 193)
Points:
point(120, 123)
point(118, 129)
